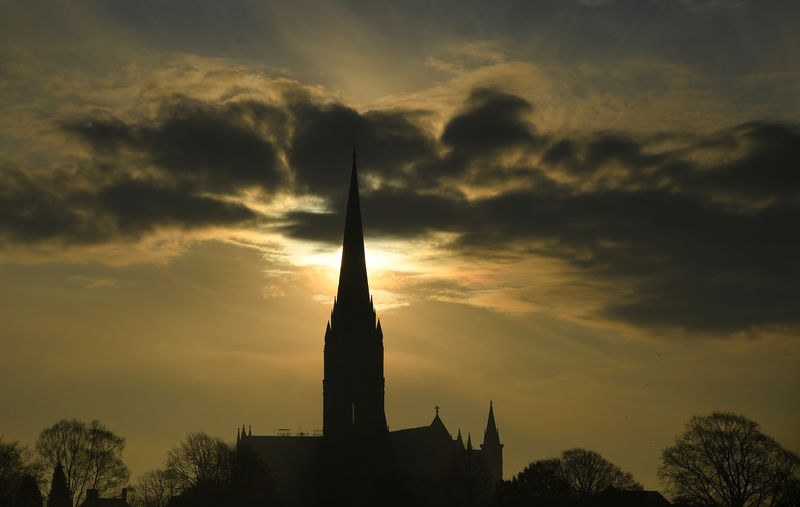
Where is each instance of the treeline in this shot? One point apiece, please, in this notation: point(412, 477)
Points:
point(204, 471)
point(719, 460)
point(578, 477)
point(73, 458)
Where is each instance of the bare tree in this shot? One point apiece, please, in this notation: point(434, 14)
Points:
point(724, 459)
point(90, 454)
point(156, 488)
point(589, 473)
point(200, 458)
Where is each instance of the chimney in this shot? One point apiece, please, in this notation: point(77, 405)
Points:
point(124, 494)
point(92, 497)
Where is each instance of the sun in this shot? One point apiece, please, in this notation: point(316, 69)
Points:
point(379, 258)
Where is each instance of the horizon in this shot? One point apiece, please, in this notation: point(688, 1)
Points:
point(582, 211)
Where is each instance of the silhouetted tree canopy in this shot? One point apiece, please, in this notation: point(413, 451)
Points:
point(17, 471)
point(59, 491)
point(12, 468)
point(156, 488)
point(577, 476)
point(29, 494)
point(91, 456)
point(589, 473)
point(204, 471)
point(724, 459)
point(540, 483)
point(201, 458)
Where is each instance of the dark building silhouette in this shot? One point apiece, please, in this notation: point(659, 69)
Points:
point(357, 460)
point(93, 500)
point(59, 495)
point(613, 497)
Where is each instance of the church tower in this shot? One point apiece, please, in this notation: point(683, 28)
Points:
point(353, 386)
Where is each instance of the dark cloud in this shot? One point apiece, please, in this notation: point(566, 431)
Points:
point(618, 148)
point(318, 227)
point(769, 169)
point(493, 121)
point(563, 151)
point(78, 208)
point(217, 148)
point(393, 213)
point(140, 205)
point(490, 123)
point(687, 237)
point(692, 264)
point(36, 208)
point(389, 142)
point(172, 172)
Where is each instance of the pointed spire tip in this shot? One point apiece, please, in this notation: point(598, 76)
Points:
point(353, 285)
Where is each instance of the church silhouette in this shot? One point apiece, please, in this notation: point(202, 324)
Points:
point(357, 460)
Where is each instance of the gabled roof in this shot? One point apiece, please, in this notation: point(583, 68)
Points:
point(425, 450)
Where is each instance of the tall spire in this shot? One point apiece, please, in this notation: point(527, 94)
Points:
point(353, 286)
point(353, 387)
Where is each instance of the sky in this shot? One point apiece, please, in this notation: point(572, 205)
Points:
point(584, 211)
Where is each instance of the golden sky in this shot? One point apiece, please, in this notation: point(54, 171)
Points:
point(585, 211)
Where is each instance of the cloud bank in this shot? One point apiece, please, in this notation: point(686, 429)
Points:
point(699, 228)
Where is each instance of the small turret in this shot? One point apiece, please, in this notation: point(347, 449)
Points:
point(491, 448)
point(491, 436)
point(460, 441)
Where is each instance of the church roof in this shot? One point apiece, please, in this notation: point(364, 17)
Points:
point(613, 497)
point(353, 286)
point(425, 450)
point(438, 426)
point(436, 431)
